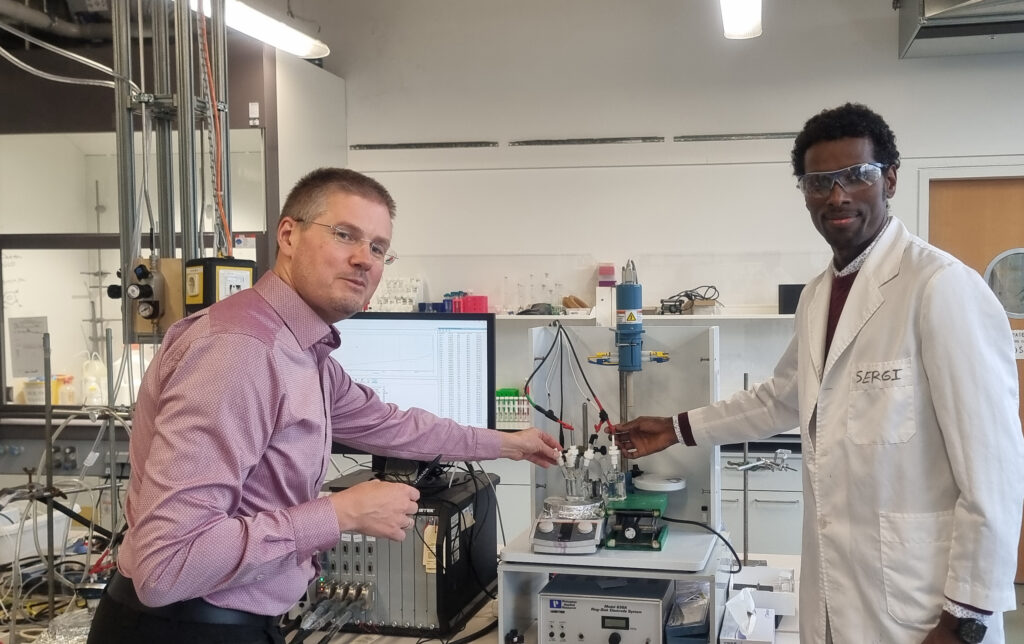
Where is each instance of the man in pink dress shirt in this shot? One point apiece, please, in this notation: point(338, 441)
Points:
point(233, 430)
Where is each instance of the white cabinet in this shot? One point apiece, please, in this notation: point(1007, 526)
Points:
point(774, 507)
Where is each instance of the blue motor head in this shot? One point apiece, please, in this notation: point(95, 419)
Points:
point(629, 329)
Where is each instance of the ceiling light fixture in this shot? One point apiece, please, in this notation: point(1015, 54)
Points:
point(241, 17)
point(741, 18)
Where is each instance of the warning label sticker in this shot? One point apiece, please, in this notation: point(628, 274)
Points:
point(630, 316)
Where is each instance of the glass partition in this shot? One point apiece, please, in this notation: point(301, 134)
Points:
point(59, 243)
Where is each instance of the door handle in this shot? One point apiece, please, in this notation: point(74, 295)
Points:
point(776, 501)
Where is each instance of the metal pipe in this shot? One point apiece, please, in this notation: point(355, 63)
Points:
point(39, 20)
point(162, 127)
point(623, 396)
point(88, 62)
point(186, 132)
point(121, 18)
point(585, 431)
point(219, 63)
point(625, 407)
point(101, 322)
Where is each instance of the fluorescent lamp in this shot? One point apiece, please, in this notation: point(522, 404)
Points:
point(242, 17)
point(741, 18)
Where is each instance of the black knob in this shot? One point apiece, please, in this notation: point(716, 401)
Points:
point(114, 291)
point(614, 638)
point(141, 272)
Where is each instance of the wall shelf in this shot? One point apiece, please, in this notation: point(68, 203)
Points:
point(545, 318)
point(724, 316)
point(720, 316)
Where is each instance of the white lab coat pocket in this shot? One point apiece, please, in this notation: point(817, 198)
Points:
point(881, 409)
point(915, 563)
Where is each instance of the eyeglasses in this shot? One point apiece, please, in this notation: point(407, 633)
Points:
point(857, 177)
point(379, 251)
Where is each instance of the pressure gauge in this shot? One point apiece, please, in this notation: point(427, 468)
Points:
point(135, 291)
point(149, 310)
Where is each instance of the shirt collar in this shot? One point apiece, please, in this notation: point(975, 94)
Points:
point(856, 264)
point(307, 327)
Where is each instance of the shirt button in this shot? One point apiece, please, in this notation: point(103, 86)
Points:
point(259, 577)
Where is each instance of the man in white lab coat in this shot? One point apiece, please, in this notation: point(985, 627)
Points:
point(901, 376)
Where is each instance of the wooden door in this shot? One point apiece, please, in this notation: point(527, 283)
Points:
point(976, 220)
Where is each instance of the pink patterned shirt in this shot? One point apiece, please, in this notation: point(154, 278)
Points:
point(230, 446)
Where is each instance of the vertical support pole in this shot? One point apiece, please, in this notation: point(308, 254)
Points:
point(121, 20)
point(219, 62)
point(162, 126)
point(112, 444)
point(746, 486)
point(186, 132)
point(48, 490)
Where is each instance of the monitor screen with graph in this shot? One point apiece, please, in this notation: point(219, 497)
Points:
point(441, 362)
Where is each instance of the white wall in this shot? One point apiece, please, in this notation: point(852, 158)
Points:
point(689, 213)
point(310, 119)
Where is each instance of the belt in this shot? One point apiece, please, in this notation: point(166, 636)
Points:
point(121, 590)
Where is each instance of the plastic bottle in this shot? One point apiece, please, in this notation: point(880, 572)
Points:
point(124, 392)
point(94, 375)
point(35, 392)
point(92, 394)
point(67, 394)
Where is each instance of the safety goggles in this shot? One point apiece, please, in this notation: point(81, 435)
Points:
point(856, 177)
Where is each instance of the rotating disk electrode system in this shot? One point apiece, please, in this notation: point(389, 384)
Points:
point(634, 515)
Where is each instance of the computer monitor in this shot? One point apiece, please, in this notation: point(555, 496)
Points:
point(440, 362)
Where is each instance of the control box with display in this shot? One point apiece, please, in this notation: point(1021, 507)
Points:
point(617, 610)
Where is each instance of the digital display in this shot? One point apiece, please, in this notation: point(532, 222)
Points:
point(617, 623)
point(443, 363)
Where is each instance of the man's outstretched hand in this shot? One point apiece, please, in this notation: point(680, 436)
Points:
point(644, 435)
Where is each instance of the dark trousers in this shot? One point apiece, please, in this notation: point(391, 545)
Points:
point(115, 623)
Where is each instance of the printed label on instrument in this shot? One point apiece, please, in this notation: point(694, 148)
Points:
point(630, 316)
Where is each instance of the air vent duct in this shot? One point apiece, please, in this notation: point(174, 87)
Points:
point(959, 27)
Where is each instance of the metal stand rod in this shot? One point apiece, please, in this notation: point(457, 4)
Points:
point(746, 486)
point(625, 395)
point(625, 408)
point(112, 439)
point(585, 434)
point(48, 446)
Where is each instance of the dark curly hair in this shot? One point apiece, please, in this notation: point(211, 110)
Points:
point(852, 120)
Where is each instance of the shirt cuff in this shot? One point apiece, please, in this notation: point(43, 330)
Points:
point(960, 611)
point(684, 433)
point(316, 527)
